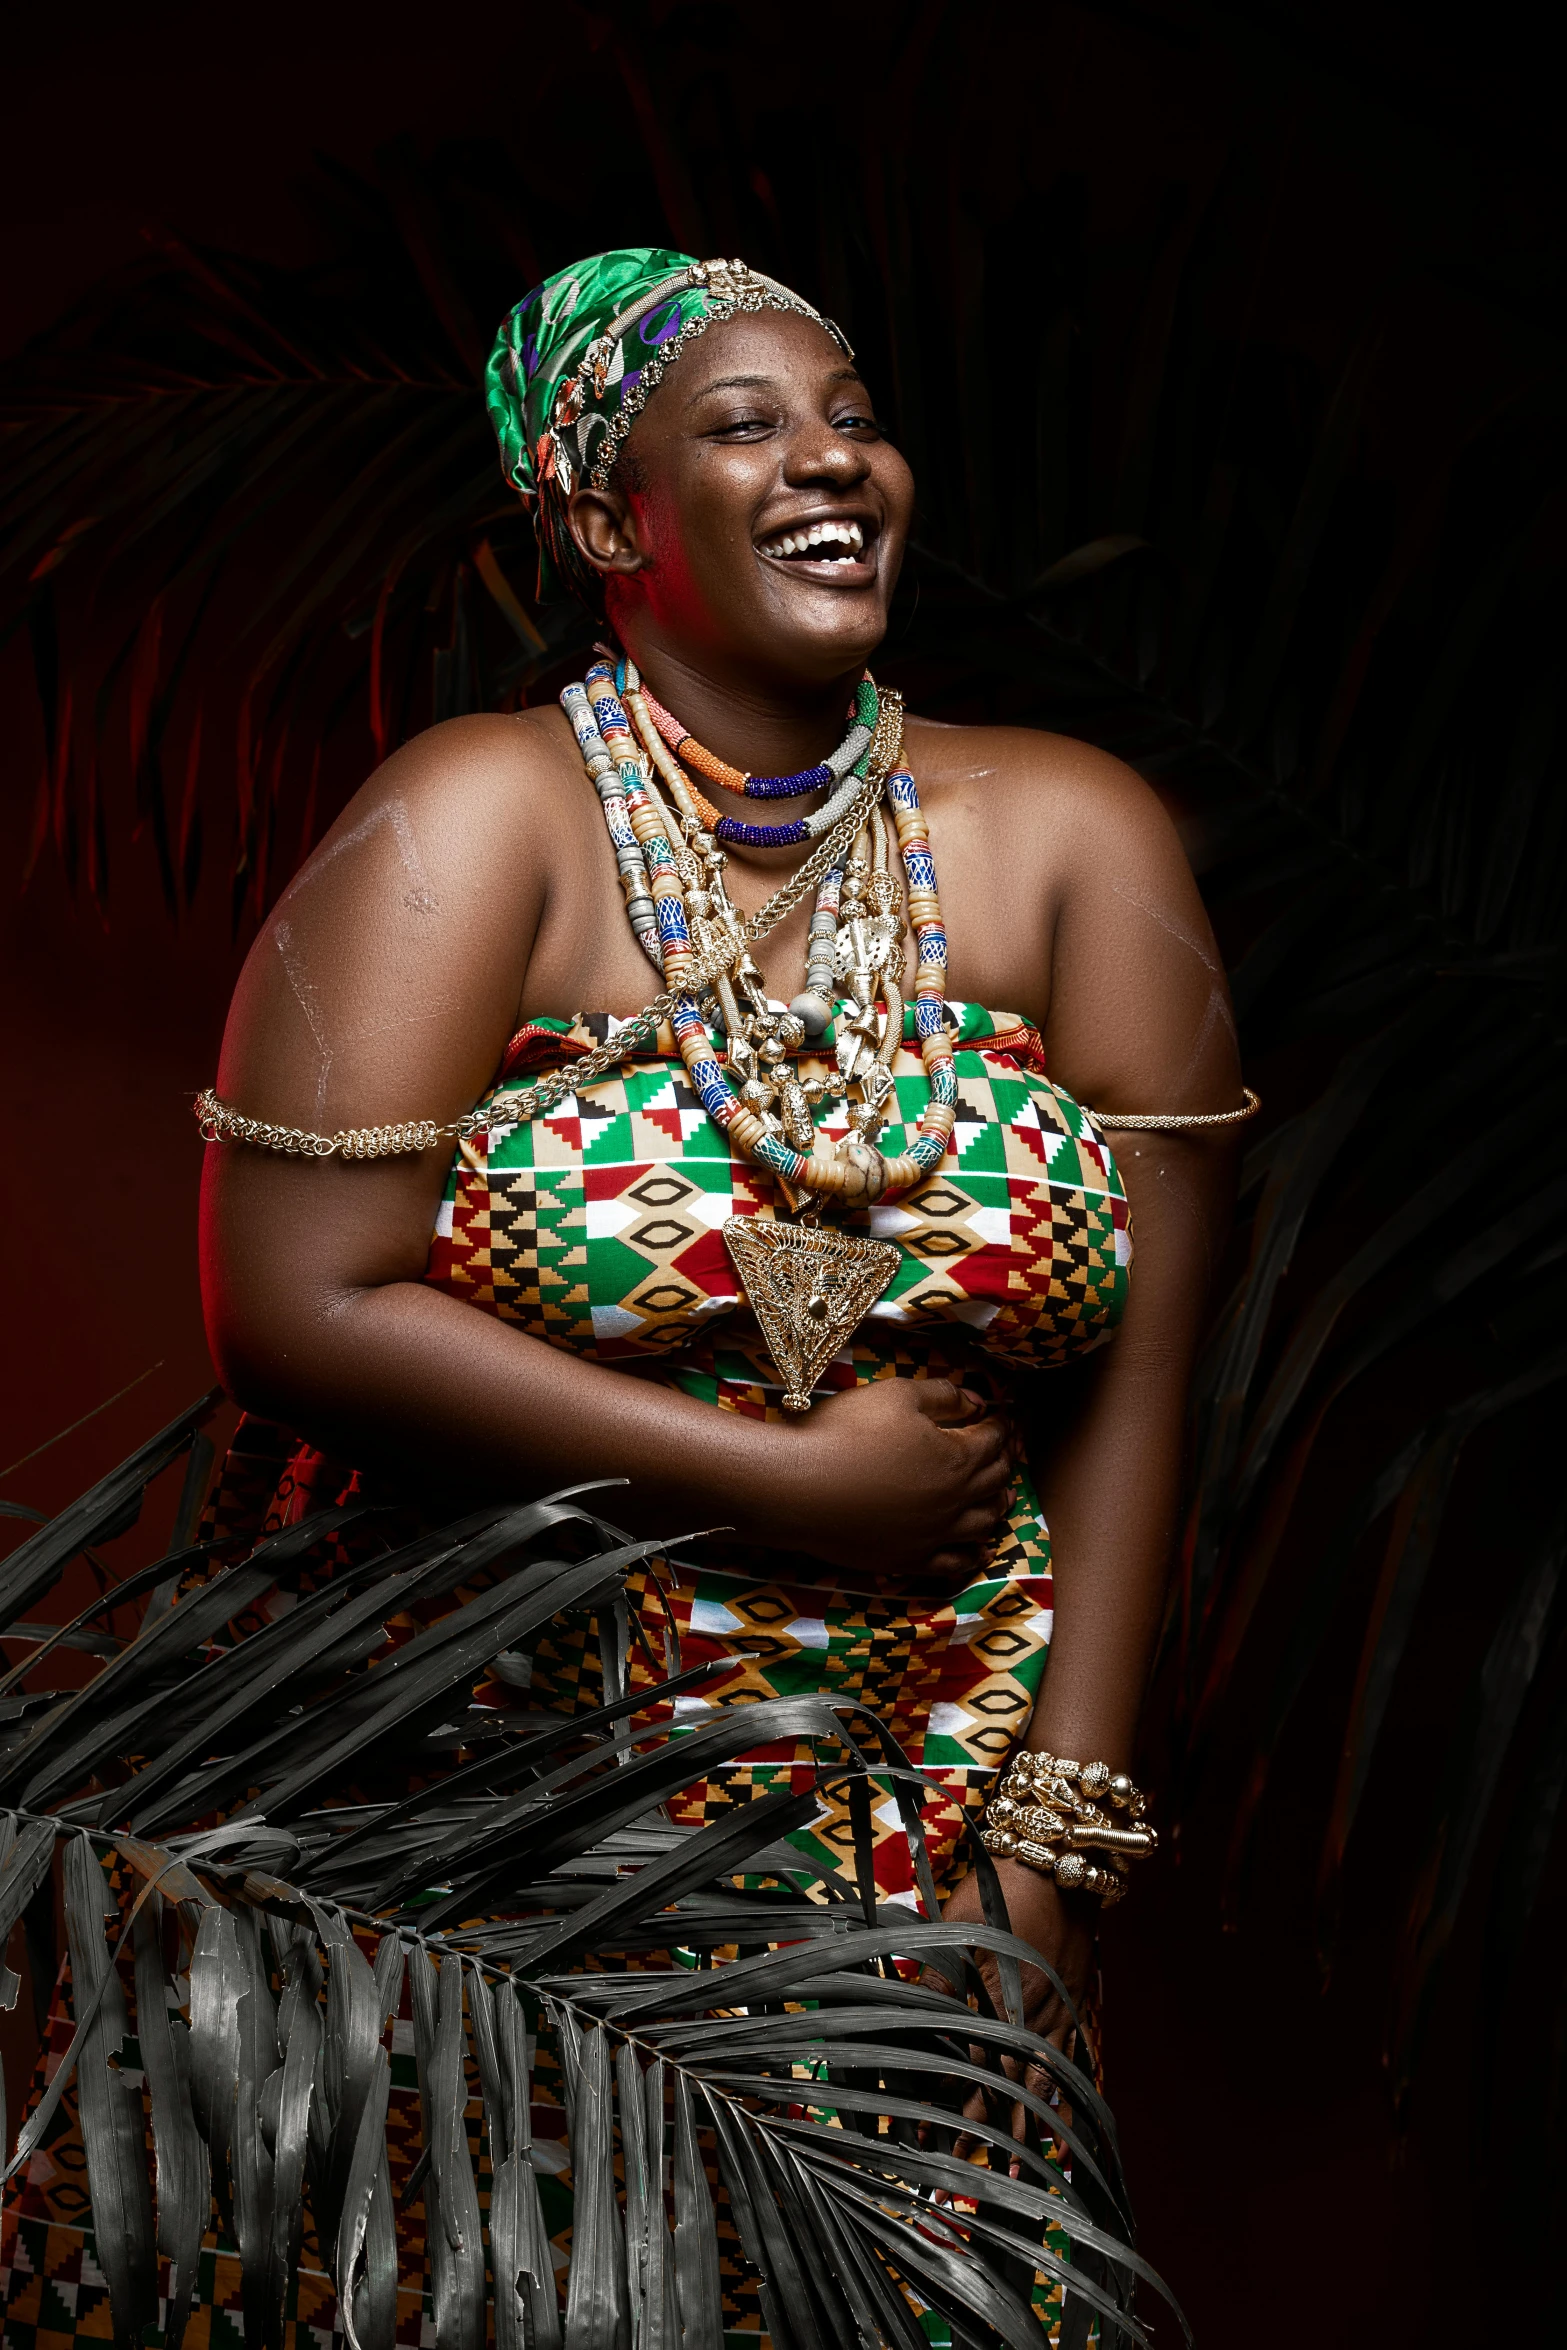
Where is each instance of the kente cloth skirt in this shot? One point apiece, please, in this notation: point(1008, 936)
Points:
point(953, 1676)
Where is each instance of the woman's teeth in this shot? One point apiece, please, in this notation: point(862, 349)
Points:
point(823, 540)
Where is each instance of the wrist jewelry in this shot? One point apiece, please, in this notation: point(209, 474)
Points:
point(1051, 1813)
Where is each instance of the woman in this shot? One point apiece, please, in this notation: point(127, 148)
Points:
point(706, 472)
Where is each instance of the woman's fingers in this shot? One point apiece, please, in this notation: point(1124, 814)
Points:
point(985, 1462)
point(954, 1566)
point(989, 1488)
point(945, 1402)
point(984, 1440)
point(982, 1515)
point(975, 1530)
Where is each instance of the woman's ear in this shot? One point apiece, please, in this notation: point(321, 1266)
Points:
point(605, 529)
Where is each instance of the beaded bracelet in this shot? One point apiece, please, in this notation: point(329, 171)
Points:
point(1049, 1812)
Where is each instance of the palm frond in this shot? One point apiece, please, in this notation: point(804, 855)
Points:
point(284, 1739)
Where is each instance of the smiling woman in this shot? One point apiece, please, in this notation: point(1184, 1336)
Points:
point(780, 1246)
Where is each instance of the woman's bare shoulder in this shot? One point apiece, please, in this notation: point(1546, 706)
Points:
point(468, 783)
point(1043, 787)
point(392, 964)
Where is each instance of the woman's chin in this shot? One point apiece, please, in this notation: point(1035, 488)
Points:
point(846, 621)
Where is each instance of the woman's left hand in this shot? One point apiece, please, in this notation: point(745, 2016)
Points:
point(1063, 1928)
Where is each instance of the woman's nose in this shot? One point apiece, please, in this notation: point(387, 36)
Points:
point(817, 453)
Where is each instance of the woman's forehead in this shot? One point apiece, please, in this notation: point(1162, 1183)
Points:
point(755, 353)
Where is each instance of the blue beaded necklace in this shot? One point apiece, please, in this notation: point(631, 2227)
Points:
point(733, 830)
point(707, 764)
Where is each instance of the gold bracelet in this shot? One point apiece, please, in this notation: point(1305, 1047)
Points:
point(1175, 1121)
point(1049, 1812)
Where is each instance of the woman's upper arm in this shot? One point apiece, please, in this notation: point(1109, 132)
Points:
point(382, 987)
point(1140, 1015)
point(1140, 1021)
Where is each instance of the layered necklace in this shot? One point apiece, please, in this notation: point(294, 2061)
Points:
point(808, 1283)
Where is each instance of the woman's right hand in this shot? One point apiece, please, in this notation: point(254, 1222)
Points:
point(906, 1476)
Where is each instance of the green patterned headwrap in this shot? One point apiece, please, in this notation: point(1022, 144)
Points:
point(575, 361)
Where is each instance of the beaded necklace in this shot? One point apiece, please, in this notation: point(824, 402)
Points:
point(832, 769)
point(733, 830)
point(813, 1007)
point(808, 1284)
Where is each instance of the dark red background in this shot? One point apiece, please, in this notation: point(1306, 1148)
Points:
point(1276, 2193)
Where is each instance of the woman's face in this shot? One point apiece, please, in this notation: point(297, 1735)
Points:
point(758, 515)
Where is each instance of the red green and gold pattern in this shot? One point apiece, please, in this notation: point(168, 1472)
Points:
point(598, 1227)
point(953, 1677)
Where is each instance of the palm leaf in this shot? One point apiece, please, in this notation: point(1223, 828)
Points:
point(829, 2058)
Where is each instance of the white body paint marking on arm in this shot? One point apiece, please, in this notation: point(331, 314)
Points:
point(305, 996)
point(1218, 1015)
point(1193, 944)
point(1167, 922)
point(420, 898)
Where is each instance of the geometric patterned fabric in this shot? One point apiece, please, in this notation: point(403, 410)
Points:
point(598, 1227)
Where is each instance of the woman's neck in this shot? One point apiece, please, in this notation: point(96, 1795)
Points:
point(763, 726)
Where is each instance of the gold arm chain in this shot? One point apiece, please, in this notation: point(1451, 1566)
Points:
point(218, 1121)
point(1175, 1121)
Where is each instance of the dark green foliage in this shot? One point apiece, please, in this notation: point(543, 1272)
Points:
point(268, 2070)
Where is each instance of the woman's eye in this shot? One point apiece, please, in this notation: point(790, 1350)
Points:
point(855, 420)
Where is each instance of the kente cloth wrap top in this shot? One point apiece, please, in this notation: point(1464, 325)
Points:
point(598, 1226)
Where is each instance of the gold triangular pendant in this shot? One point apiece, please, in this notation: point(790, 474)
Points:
point(810, 1288)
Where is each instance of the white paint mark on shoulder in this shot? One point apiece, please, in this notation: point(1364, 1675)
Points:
point(419, 896)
